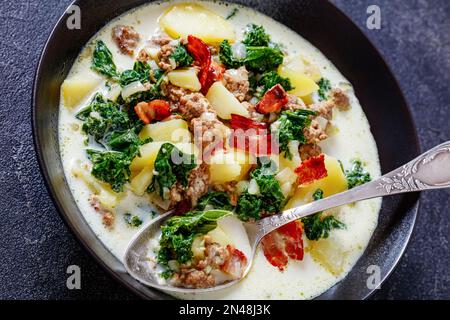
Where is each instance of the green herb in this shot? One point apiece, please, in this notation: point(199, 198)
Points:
point(181, 56)
point(226, 56)
point(140, 72)
point(324, 88)
point(178, 233)
point(291, 125)
point(271, 78)
point(232, 13)
point(102, 61)
point(270, 198)
point(112, 167)
point(132, 221)
point(256, 36)
point(316, 226)
point(171, 165)
point(215, 200)
point(357, 175)
point(102, 117)
point(262, 59)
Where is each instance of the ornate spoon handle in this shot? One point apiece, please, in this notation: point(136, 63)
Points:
point(430, 170)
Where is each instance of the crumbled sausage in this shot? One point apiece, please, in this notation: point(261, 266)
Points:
point(173, 93)
point(309, 150)
point(236, 81)
point(107, 216)
point(315, 132)
point(198, 183)
point(340, 99)
point(126, 38)
point(165, 61)
point(209, 133)
point(294, 103)
point(194, 105)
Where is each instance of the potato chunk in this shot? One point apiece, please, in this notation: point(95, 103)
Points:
point(334, 183)
point(303, 76)
point(141, 181)
point(185, 78)
point(74, 90)
point(229, 166)
point(224, 102)
point(184, 19)
point(332, 253)
point(175, 130)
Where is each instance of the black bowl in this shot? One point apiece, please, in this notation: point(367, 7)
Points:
point(329, 30)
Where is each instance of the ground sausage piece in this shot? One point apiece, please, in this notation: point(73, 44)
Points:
point(309, 150)
point(107, 216)
point(340, 99)
point(160, 39)
point(236, 81)
point(209, 133)
point(198, 183)
point(165, 61)
point(194, 279)
point(294, 103)
point(193, 106)
point(173, 93)
point(126, 38)
point(315, 132)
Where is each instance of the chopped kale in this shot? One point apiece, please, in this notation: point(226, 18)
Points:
point(357, 175)
point(316, 226)
point(140, 72)
point(215, 200)
point(324, 88)
point(178, 234)
point(181, 56)
point(132, 221)
point(232, 13)
point(171, 165)
point(102, 61)
point(271, 78)
point(291, 125)
point(226, 56)
point(112, 167)
point(270, 198)
point(256, 36)
point(262, 59)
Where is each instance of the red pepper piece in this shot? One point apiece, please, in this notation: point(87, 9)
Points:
point(202, 57)
point(312, 169)
point(273, 100)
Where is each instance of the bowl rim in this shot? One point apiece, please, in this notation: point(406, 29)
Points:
point(161, 295)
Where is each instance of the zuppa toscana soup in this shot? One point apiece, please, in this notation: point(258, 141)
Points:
point(221, 115)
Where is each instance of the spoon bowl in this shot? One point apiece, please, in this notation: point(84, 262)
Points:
point(429, 171)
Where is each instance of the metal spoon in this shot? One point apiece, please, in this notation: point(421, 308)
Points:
point(429, 171)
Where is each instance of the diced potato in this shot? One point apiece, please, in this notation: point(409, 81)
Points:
point(174, 131)
point(224, 102)
point(287, 175)
point(335, 182)
point(198, 247)
point(106, 196)
point(148, 153)
point(295, 161)
point(331, 253)
point(185, 19)
point(142, 180)
point(303, 76)
point(185, 78)
point(74, 90)
point(229, 166)
point(219, 236)
point(300, 64)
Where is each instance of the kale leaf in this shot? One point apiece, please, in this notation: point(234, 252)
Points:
point(357, 175)
point(291, 125)
point(232, 13)
point(102, 61)
point(178, 233)
point(215, 200)
point(171, 165)
point(181, 56)
point(316, 226)
point(271, 78)
point(324, 88)
point(256, 36)
point(262, 59)
point(112, 167)
point(226, 56)
point(140, 72)
point(270, 198)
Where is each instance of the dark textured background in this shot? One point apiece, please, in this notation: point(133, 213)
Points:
point(36, 247)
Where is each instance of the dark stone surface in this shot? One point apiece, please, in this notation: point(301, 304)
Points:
point(37, 247)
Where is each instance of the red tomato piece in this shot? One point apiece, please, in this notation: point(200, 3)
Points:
point(202, 57)
point(153, 110)
point(273, 100)
point(312, 169)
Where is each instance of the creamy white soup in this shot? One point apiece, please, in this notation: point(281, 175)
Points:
point(191, 79)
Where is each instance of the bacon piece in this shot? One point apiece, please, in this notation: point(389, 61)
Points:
point(312, 169)
point(215, 73)
point(202, 57)
point(284, 243)
point(236, 263)
point(273, 100)
point(153, 110)
point(241, 122)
